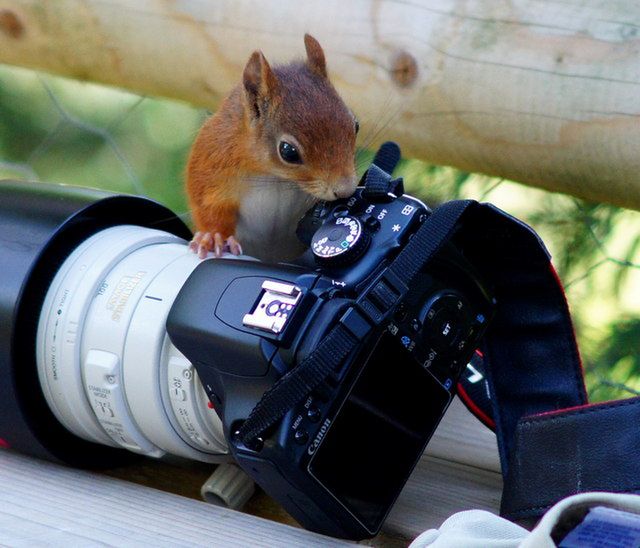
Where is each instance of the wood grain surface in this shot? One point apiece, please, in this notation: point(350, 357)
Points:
point(159, 502)
point(538, 91)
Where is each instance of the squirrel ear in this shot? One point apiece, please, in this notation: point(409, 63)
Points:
point(259, 81)
point(315, 55)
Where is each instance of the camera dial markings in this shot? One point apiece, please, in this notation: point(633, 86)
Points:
point(340, 241)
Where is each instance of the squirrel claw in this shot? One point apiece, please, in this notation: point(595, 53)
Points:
point(195, 242)
point(234, 245)
point(204, 242)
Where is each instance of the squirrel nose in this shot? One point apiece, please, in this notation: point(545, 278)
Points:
point(344, 187)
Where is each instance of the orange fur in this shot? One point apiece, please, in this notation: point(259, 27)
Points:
point(240, 142)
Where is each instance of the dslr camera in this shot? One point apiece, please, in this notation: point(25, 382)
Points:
point(118, 338)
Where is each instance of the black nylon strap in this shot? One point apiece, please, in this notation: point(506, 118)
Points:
point(532, 362)
point(299, 381)
point(533, 369)
point(378, 185)
point(588, 448)
point(429, 239)
point(552, 443)
point(387, 156)
point(342, 340)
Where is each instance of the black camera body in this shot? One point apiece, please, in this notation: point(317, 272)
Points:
point(338, 459)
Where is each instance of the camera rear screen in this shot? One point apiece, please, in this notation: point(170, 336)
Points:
point(370, 449)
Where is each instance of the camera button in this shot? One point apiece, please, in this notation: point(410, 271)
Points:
point(301, 437)
point(371, 222)
point(341, 211)
point(314, 414)
point(447, 323)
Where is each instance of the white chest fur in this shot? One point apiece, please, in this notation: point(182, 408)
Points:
point(269, 213)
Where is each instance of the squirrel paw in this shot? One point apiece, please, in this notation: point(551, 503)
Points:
point(203, 242)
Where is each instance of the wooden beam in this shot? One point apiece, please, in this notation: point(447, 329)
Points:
point(537, 91)
point(45, 504)
point(40, 500)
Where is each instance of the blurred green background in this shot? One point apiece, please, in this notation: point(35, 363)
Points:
point(58, 130)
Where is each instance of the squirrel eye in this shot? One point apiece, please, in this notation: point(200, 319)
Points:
point(289, 153)
point(357, 127)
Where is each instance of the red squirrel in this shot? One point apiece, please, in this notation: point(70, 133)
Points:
point(280, 141)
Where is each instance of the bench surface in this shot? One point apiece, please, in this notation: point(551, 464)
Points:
point(158, 503)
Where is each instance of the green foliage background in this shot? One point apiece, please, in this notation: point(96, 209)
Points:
point(57, 130)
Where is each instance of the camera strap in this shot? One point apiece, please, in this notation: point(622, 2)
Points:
point(552, 443)
point(377, 181)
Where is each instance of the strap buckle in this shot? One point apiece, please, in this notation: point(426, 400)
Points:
point(383, 295)
point(380, 187)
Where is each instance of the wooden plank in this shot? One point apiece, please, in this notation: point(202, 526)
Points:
point(41, 501)
point(439, 488)
point(186, 481)
point(45, 504)
point(459, 471)
point(462, 438)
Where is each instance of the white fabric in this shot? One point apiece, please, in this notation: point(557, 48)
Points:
point(541, 535)
point(481, 529)
point(473, 529)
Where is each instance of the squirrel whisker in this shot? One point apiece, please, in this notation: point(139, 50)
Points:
point(381, 122)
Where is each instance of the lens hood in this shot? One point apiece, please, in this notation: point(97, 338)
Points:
point(40, 225)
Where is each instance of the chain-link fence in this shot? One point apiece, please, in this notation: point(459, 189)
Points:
point(57, 130)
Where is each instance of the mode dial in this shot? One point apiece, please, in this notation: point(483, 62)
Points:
point(341, 241)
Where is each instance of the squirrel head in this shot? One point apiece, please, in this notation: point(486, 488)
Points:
point(301, 129)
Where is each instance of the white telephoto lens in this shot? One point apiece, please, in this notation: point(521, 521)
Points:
point(107, 368)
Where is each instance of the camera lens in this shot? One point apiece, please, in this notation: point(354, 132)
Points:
point(107, 368)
